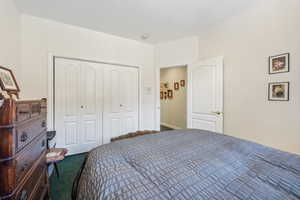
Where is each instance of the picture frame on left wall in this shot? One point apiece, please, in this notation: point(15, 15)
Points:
point(8, 81)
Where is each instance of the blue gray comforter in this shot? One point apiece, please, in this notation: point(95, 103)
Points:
point(190, 164)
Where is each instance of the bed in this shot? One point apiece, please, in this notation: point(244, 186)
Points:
point(188, 164)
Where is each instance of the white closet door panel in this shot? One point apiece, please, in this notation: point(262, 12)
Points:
point(71, 133)
point(78, 104)
point(90, 131)
point(91, 111)
point(89, 88)
point(67, 101)
point(127, 86)
point(120, 101)
point(129, 124)
point(115, 126)
point(112, 102)
point(114, 88)
point(129, 100)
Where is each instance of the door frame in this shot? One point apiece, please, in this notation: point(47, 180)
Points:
point(218, 59)
point(157, 94)
point(51, 88)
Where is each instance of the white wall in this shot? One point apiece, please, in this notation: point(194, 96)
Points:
point(179, 52)
point(10, 36)
point(170, 54)
point(246, 41)
point(41, 37)
point(173, 111)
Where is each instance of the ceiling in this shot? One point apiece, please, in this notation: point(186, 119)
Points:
point(161, 20)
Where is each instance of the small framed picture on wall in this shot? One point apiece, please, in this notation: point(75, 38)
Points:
point(165, 95)
point(170, 94)
point(176, 86)
point(182, 83)
point(279, 91)
point(8, 81)
point(279, 63)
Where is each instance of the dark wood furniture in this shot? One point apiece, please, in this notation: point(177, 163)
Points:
point(23, 169)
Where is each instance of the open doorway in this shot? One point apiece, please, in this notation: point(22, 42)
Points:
point(173, 98)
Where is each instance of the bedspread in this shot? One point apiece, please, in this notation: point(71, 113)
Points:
point(189, 164)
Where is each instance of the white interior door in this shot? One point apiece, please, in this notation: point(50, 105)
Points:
point(205, 95)
point(120, 101)
point(78, 105)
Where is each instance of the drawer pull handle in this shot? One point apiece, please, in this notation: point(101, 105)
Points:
point(43, 143)
point(23, 195)
point(24, 167)
point(43, 124)
point(24, 112)
point(24, 136)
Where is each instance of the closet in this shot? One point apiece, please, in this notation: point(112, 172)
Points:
point(93, 102)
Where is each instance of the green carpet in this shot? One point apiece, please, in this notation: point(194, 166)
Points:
point(61, 187)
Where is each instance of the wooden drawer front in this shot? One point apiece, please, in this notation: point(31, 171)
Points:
point(28, 188)
point(40, 189)
point(27, 132)
point(23, 112)
point(30, 156)
point(43, 107)
point(37, 109)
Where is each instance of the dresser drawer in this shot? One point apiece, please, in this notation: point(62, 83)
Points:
point(28, 131)
point(22, 149)
point(22, 112)
point(36, 109)
point(29, 109)
point(25, 161)
point(29, 186)
point(40, 189)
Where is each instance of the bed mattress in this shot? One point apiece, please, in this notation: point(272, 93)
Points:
point(189, 164)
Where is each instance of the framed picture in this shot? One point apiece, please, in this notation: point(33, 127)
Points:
point(165, 95)
point(166, 85)
point(279, 91)
point(176, 86)
point(7, 81)
point(182, 83)
point(279, 63)
point(170, 94)
point(161, 95)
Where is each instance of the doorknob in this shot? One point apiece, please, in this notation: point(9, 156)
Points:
point(81, 106)
point(121, 105)
point(217, 112)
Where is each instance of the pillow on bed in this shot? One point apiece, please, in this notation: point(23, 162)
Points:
point(134, 134)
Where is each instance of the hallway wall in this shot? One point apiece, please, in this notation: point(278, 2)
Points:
point(173, 111)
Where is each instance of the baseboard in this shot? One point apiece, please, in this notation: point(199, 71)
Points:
point(169, 125)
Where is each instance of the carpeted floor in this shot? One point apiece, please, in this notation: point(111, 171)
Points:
point(61, 187)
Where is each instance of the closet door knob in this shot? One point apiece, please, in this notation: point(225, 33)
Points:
point(81, 106)
point(121, 105)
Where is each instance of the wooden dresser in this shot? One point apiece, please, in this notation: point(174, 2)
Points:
point(23, 169)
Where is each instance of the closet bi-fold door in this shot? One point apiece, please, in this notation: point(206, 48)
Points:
point(121, 103)
point(78, 104)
